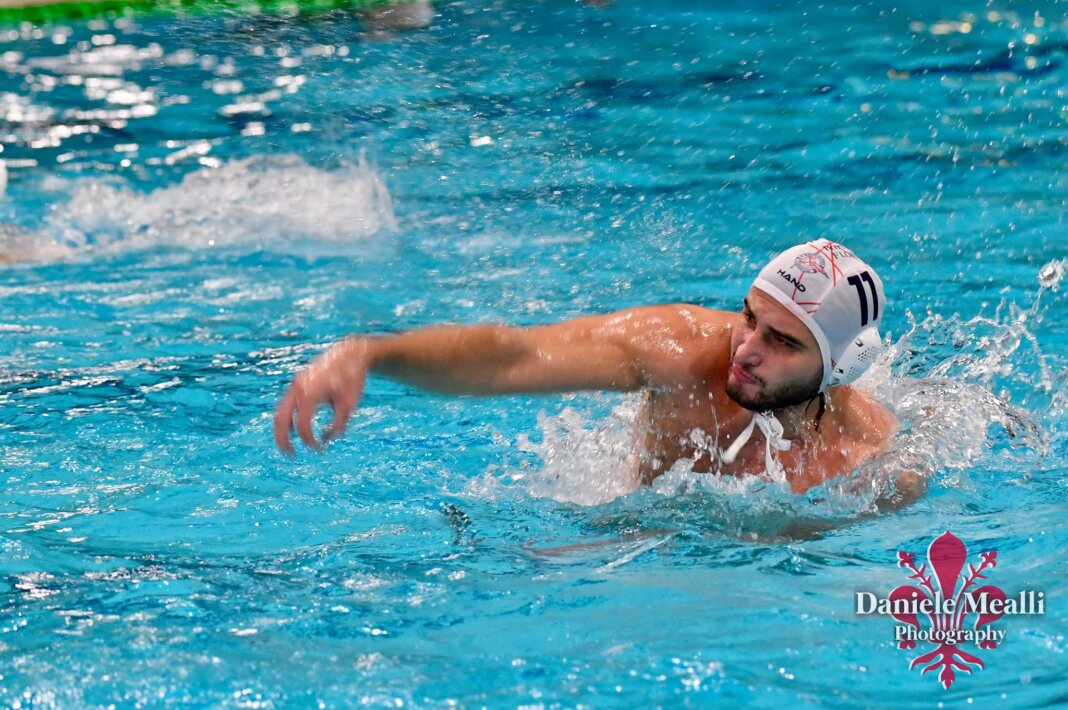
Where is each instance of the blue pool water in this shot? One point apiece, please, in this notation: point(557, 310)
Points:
point(197, 205)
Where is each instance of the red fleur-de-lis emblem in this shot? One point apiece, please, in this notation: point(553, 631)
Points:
point(812, 264)
point(946, 558)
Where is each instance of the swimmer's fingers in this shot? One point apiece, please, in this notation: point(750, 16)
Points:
point(306, 405)
point(331, 379)
point(297, 401)
point(343, 409)
point(283, 421)
point(344, 402)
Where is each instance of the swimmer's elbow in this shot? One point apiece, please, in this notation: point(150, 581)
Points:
point(909, 487)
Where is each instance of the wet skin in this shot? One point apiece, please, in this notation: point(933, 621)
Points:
point(696, 366)
point(764, 357)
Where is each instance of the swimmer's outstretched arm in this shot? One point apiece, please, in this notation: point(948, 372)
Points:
point(622, 351)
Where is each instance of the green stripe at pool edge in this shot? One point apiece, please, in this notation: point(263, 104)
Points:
point(47, 12)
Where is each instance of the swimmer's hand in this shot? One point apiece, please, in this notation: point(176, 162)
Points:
point(336, 378)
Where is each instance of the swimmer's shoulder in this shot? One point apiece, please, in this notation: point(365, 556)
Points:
point(681, 343)
point(704, 322)
point(682, 322)
point(708, 349)
point(870, 430)
point(867, 424)
point(707, 335)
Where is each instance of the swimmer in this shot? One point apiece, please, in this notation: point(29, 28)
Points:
point(770, 387)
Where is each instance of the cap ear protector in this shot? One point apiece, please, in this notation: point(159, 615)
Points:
point(857, 357)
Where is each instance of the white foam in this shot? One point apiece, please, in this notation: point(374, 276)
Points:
point(585, 462)
point(258, 201)
point(17, 245)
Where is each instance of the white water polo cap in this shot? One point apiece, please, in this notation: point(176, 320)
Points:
point(838, 297)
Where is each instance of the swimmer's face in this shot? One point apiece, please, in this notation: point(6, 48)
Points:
point(775, 359)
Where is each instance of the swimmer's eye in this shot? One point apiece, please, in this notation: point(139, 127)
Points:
point(787, 342)
point(748, 317)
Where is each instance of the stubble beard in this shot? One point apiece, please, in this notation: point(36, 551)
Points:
point(787, 395)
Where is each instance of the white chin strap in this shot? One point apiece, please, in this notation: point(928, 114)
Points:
point(772, 430)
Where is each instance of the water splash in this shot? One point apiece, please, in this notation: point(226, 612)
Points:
point(583, 463)
point(18, 244)
point(1050, 275)
point(961, 388)
point(257, 201)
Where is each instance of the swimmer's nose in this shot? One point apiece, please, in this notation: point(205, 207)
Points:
point(749, 352)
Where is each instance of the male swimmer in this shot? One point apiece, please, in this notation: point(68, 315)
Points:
point(783, 366)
